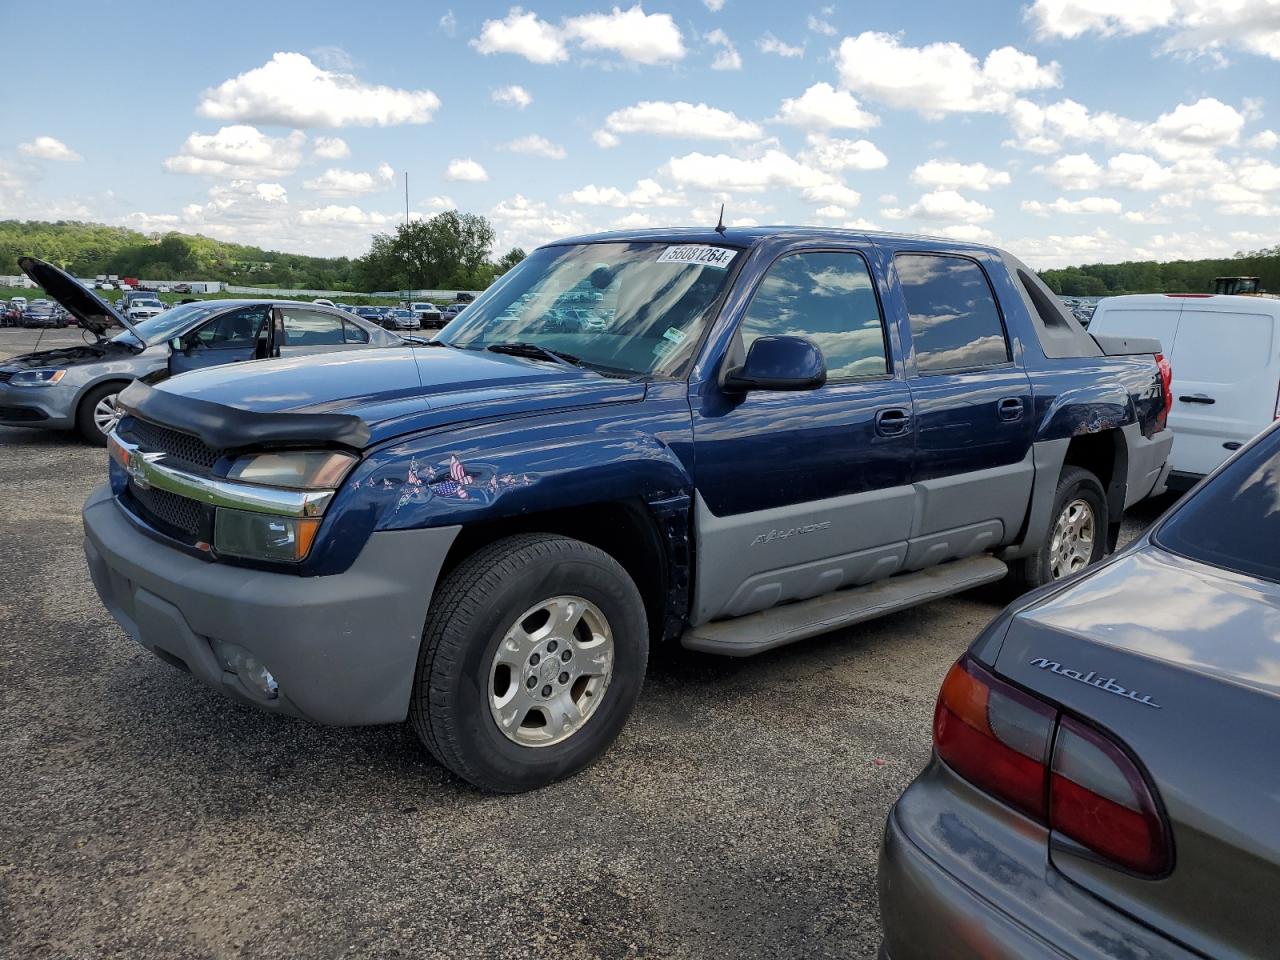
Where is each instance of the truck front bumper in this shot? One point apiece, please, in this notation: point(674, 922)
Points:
point(342, 648)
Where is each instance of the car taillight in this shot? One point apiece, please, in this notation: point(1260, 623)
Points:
point(1166, 386)
point(1063, 774)
point(995, 736)
point(1099, 798)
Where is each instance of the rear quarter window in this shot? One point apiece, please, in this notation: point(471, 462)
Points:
point(1234, 521)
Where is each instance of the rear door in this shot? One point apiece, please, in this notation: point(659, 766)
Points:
point(306, 330)
point(973, 410)
point(1225, 380)
point(231, 337)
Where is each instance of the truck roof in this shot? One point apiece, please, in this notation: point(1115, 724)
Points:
point(750, 236)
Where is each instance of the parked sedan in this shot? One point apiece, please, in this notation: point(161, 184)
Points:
point(75, 387)
point(1103, 783)
point(41, 313)
point(403, 320)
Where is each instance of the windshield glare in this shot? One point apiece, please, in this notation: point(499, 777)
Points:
point(635, 308)
point(169, 324)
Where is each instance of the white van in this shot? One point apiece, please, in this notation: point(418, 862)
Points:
point(1226, 368)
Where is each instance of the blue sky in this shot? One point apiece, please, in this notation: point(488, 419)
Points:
point(1068, 130)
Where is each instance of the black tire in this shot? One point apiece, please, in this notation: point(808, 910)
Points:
point(85, 423)
point(1036, 570)
point(470, 614)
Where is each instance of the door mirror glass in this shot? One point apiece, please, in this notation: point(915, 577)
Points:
point(779, 363)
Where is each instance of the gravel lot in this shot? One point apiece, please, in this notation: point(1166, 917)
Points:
point(737, 816)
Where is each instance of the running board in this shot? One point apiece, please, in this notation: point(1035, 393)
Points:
point(777, 626)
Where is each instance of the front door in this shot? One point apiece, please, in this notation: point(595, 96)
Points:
point(973, 411)
point(800, 493)
point(230, 337)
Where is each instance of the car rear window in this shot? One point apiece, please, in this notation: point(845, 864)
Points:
point(1234, 521)
point(1222, 347)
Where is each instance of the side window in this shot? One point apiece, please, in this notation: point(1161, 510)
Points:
point(829, 298)
point(310, 328)
point(954, 320)
point(239, 328)
point(354, 332)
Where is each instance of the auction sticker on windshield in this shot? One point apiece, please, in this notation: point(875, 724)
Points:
point(717, 257)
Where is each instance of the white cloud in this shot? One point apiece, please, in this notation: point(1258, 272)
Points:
point(1137, 171)
point(466, 170)
point(448, 24)
point(943, 206)
point(1085, 205)
point(679, 119)
point(959, 176)
point(831, 212)
point(939, 78)
point(523, 34)
point(640, 37)
point(1265, 140)
point(348, 215)
point(836, 194)
point(1259, 176)
point(1075, 171)
point(48, 148)
point(350, 183)
point(715, 6)
point(605, 140)
point(291, 91)
point(330, 148)
point(837, 155)
point(633, 221)
point(438, 203)
point(522, 222)
point(647, 193)
point(771, 44)
point(823, 107)
point(1187, 130)
point(721, 172)
point(513, 95)
point(1199, 26)
point(727, 57)
point(238, 152)
point(538, 146)
point(820, 26)
point(968, 232)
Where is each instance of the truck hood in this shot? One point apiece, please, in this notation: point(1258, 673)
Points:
point(397, 390)
point(91, 311)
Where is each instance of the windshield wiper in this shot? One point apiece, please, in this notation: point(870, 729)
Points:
point(534, 352)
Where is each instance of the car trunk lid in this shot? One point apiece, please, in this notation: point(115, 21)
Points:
point(1186, 675)
point(91, 311)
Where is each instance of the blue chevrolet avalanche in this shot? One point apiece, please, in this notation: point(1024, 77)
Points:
point(731, 439)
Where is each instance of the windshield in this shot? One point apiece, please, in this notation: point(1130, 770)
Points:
point(635, 308)
point(1234, 520)
point(145, 302)
point(169, 324)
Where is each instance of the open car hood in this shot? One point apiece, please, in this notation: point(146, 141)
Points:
point(91, 311)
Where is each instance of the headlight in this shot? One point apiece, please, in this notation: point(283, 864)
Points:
point(301, 470)
point(36, 378)
point(261, 536)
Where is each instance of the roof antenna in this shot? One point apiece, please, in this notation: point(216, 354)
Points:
point(720, 225)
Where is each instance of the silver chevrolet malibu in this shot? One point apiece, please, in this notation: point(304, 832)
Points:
point(1104, 779)
point(75, 388)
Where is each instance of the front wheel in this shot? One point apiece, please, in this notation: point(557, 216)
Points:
point(98, 414)
point(1076, 536)
point(532, 658)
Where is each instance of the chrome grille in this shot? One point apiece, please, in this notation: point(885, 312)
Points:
point(180, 446)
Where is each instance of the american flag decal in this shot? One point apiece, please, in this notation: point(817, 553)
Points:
point(457, 472)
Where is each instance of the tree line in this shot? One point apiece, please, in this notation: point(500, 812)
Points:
point(452, 250)
point(1177, 276)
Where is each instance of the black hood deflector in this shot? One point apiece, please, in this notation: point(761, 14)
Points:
point(227, 428)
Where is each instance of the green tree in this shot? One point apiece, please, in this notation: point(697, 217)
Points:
point(509, 260)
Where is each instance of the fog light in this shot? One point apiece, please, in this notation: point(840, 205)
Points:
point(252, 672)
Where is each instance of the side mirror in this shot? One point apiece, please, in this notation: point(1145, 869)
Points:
point(778, 363)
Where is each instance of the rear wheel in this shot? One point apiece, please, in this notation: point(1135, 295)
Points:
point(98, 413)
point(1076, 536)
point(532, 658)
